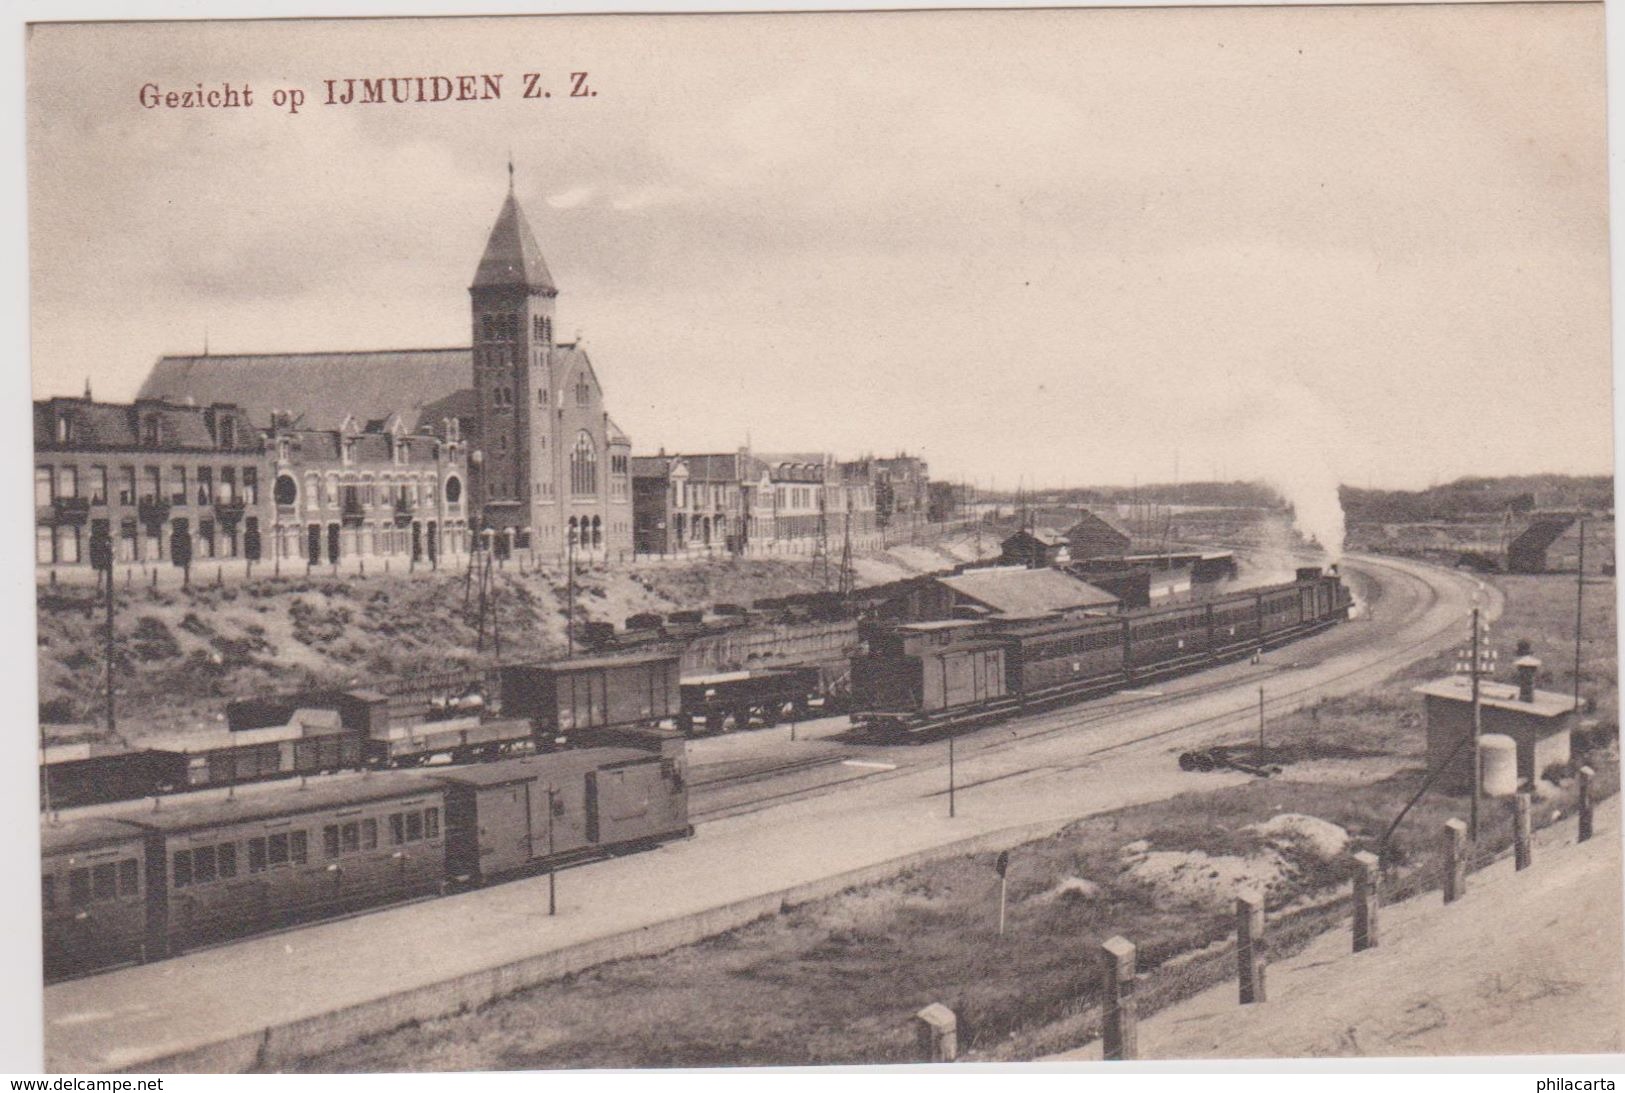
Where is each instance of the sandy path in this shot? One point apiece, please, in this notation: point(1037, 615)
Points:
point(1525, 963)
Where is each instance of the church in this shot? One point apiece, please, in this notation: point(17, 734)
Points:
point(547, 468)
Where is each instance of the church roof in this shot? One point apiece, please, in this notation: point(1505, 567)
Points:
point(512, 256)
point(318, 389)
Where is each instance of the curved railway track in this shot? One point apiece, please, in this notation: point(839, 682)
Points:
point(1020, 731)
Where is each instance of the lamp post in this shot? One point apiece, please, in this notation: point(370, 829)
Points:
point(570, 594)
point(552, 867)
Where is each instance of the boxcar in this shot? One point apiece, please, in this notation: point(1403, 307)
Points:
point(589, 693)
point(78, 774)
point(519, 814)
point(94, 893)
point(222, 868)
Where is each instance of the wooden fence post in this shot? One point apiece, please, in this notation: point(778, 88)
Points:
point(1120, 1034)
point(1250, 949)
point(1367, 879)
point(936, 1029)
point(1455, 860)
point(1520, 831)
point(1587, 818)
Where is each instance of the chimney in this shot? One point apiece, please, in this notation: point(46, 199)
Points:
point(1527, 667)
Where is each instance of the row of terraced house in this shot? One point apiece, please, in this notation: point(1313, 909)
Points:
point(738, 501)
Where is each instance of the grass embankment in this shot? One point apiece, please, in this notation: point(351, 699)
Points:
point(838, 981)
point(182, 653)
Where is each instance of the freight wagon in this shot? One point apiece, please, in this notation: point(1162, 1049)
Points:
point(592, 694)
point(738, 700)
point(452, 717)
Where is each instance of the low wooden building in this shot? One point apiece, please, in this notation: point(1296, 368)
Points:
point(1034, 548)
point(1097, 536)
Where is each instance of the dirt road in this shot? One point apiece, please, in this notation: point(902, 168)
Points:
point(1524, 963)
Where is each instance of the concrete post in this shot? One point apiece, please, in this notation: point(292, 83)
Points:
point(1587, 819)
point(936, 1029)
point(1250, 949)
point(1366, 900)
point(1455, 860)
point(1120, 1034)
point(1520, 831)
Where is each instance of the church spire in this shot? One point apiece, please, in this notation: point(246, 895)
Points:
point(513, 258)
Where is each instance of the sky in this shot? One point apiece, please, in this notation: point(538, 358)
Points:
point(1366, 245)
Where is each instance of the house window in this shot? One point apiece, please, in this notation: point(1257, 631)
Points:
point(43, 545)
point(177, 485)
point(583, 391)
point(43, 493)
point(64, 429)
point(228, 484)
point(149, 430)
point(228, 433)
point(98, 485)
point(251, 485)
point(205, 486)
point(151, 489)
point(126, 485)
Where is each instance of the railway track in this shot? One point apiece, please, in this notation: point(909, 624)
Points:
point(1024, 731)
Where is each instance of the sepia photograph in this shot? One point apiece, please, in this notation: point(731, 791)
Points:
point(1070, 535)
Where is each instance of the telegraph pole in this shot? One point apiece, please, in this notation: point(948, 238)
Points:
point(45, 773)
point(112, 724)
point(950, 776)
point(570, 597)
point(552, 866)
point(1579, 605)
point(1478, 728)
point(846, 557)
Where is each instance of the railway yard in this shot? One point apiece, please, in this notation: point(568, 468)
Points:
point(813, 814)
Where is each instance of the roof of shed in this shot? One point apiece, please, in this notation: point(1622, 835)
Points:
point(1024, 593)
point(1500, 696)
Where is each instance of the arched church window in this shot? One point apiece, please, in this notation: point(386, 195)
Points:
point(584, 467)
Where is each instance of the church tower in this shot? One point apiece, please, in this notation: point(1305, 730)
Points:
point(512, 308)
